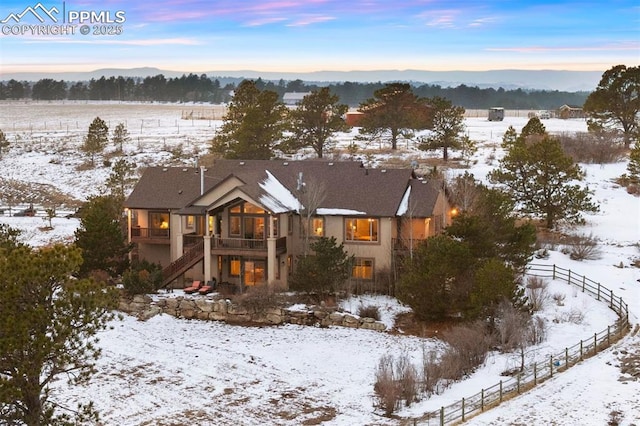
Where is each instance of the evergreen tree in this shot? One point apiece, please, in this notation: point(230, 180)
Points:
point(315, 120)
point(322, 272)
point(9, 238)
point(616, 102)
point(634, 163)
point(473, 266)
point(510, 137)
point(490, 229)
point(47, 332)
point(436, 280)
point(538, 174)
point(393, 112)
point(101, 237)
point(121, 180)
point(494, 282)
point(533, 127)
point(253, 125)
point(96, 139)
point(4, 143)
point(120, 136)
point(446, 128)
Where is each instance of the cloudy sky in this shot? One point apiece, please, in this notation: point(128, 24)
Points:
point(313, 35)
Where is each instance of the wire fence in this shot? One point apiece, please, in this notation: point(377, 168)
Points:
point(540, 371)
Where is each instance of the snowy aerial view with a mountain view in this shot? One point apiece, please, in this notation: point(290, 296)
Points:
point(363, 213)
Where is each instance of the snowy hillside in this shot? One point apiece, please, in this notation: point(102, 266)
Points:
point(170, 371)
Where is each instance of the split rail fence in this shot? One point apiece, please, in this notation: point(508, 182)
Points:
point(540, 371)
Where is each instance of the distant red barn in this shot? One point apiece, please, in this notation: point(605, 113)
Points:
point(352, 118)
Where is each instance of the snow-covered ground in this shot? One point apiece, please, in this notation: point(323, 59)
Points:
point(170, 371)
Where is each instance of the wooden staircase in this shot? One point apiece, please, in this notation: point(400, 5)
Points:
point(182, 264)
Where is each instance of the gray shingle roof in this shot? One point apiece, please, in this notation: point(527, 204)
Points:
point(348, 185)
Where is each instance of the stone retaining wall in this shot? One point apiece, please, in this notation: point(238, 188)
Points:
point(144, 308)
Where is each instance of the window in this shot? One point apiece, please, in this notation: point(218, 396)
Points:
point(254, 272)
point(248, 221)
point(361, 229)
point(191, 221)
point(158, 224)
point(234, 267)
point(315, 224)
point(317, 227)
point(362, 269)
point(234, 226)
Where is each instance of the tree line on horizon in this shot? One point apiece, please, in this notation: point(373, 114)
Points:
point(200, 88)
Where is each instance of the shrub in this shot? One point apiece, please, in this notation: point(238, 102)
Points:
point(598, 148)
point(511, 326)
point(143, 277)
point(407, 378)
point(468, 347)
point(258, 298)
point(386, 389)
point(369, 311)
point(583, 247)
point(396, 380)
point(537, 293)
point(574, 316)
point(431, 373)
point(559, 298)
point(537, 332)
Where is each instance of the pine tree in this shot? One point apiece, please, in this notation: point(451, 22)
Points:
point(47, 332)
point(538, 174)
point(446, 127)
point(96, 139)
point(322, 272)
point(101, 237)
point(393, 112)
point(315, 120)
point(634, 163)
point(120, 136)
point(121, 180)
point(253, 125)
point(4, 143)
point(437, 279)
point(616, 102)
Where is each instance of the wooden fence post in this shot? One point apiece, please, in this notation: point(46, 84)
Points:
point(554, 271)
point(463, 409)
point(500, 391)
point(442, 416)
point(551, 365)
point(535, 374)
point(584, 279)
point(581, 355)
point(598, 292)
point(566, 358)
point(611, 301)
point(482, 400)
point(569, 277)
point(595, 343)
point(608, 335)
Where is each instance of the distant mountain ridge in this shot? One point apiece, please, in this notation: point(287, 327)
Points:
point(569, 81)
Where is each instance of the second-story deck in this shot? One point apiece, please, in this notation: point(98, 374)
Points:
point(245, 246)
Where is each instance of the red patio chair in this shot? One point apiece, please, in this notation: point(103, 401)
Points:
point(195, 286)
point(209, 287)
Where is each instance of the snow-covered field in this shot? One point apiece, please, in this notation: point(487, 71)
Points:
point(172, 372)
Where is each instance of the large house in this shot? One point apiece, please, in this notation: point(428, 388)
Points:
point(246, 222)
